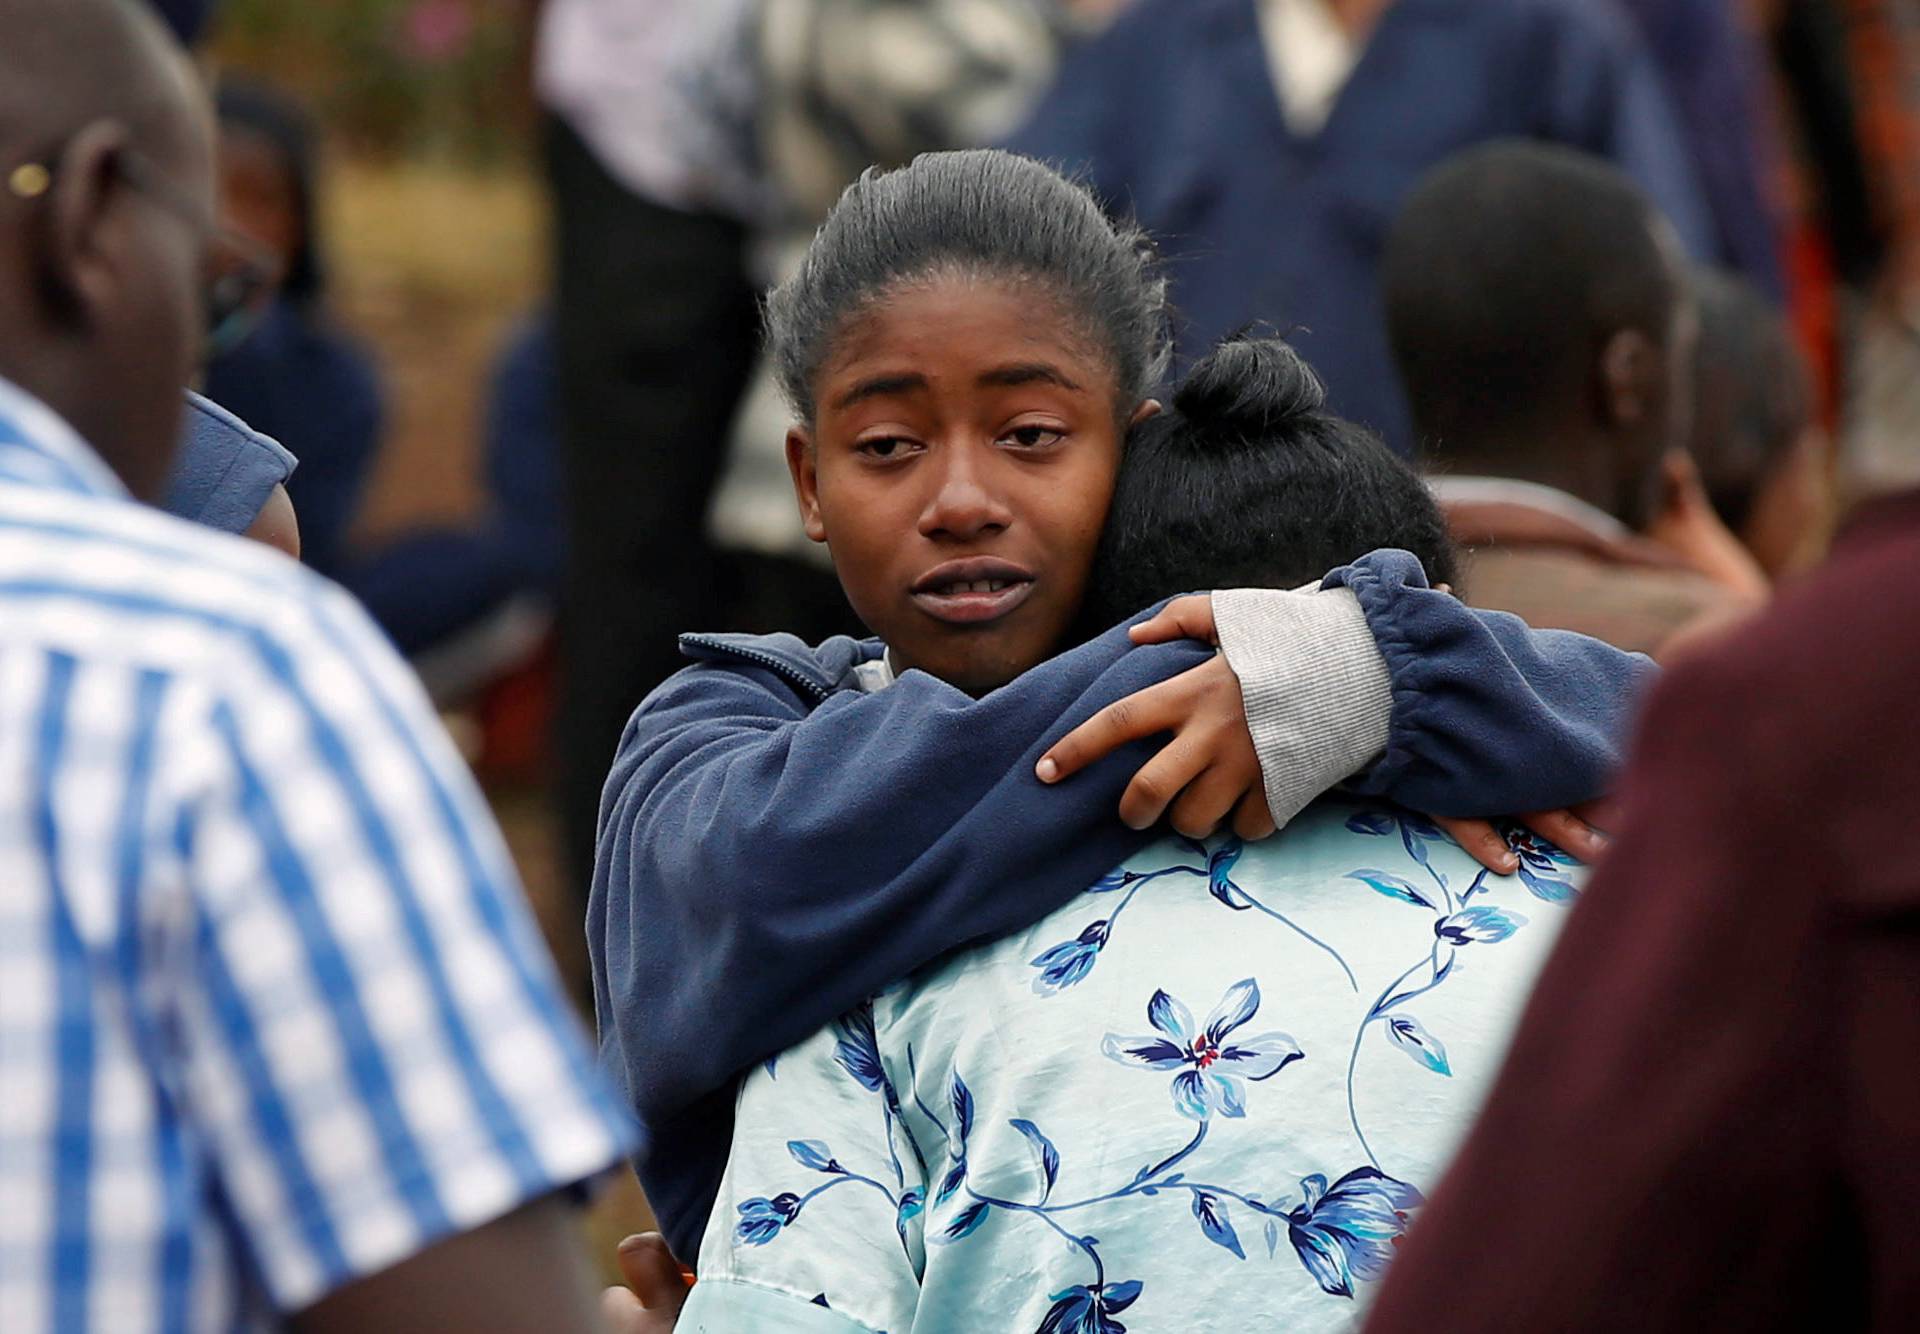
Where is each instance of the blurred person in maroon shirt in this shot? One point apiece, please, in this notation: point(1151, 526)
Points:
point(1709, 1117)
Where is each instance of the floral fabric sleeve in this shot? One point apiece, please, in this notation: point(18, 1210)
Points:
point(856, 1184)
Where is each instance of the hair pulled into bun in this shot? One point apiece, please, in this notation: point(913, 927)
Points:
point(1250, 481)
point(1248, 389)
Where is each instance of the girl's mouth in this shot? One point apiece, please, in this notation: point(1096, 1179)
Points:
point(973, 602)
point(973, 590)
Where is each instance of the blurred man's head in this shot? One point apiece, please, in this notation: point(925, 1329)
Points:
point(1763, 454)
point(106, 212)
point(1539, 315)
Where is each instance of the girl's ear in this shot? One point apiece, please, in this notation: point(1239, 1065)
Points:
point(806, 482)
point(1148, 409)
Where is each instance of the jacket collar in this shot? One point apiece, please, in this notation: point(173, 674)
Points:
point(815, 671)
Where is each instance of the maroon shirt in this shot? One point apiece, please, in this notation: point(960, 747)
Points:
point(1710, 1117)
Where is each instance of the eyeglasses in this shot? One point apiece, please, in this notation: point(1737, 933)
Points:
point(241, 274)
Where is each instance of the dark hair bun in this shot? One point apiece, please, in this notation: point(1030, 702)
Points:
point(1248, 387)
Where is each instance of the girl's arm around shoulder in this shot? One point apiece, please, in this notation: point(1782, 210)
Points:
point(766, 862)
point(1489, 716)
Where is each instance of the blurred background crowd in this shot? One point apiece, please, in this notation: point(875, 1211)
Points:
point(514, 344)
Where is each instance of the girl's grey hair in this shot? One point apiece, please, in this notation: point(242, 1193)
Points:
point(977, 213)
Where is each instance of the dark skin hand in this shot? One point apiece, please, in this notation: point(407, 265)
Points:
point(275, 525)
point(521, 1274)
point(1210, 762)
point(654, 1293)
point(1207, 772)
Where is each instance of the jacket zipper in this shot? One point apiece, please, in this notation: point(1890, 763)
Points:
point(784, 670)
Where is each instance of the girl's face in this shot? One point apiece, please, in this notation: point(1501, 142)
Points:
point(258, 195)
point(959, 468)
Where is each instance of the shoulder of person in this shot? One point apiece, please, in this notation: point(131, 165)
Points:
point(781, 664)
point(216, 587)
point(1775, 714)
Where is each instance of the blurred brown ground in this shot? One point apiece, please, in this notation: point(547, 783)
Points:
point(431, 263)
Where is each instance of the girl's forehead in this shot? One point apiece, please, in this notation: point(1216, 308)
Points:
point(944, 327)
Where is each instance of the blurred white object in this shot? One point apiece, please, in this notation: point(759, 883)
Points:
point(843, 85)
point(849, 83)
point(1312, 55)
point(665, 94)
point(1880, 435)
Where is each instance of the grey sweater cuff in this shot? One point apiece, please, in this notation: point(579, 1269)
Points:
point(1318, 698)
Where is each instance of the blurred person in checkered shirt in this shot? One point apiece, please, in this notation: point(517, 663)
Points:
point(279, 1043)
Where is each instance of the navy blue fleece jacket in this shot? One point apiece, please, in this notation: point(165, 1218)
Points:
point(776, 845)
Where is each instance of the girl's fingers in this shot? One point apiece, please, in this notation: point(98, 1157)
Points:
point(1182, 618)
point(1160, 780)
point(655, 1291)
point(1602, 814)
point(1569, 833)
point(652, 1273)
point(1206, 802)
point(1142, 714)
point(1482, 842)
point(1253, 820)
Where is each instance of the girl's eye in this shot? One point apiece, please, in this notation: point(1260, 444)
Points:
point(1033, 437)
point(885, 447)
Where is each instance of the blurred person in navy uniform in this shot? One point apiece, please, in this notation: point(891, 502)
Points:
point(469, 603)
point(296, 377)
point(1713, 66)
point(1269, 143)
point(187, 18)
point(226, 474)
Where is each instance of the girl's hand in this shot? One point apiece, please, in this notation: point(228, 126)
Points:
point(655, 1291)
point(1206, 773)
point(1572, 831)
point(1568, 830)
point(1189, 617)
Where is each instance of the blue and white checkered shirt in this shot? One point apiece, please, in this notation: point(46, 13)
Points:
point(273, 1013)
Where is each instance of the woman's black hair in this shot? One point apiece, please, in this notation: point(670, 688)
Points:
point(1248, 481)
point(980, 212)
point(275, 117)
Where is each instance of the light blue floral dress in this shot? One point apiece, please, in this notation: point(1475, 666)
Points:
point(1207, 1094)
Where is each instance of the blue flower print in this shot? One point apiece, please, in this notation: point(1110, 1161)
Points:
point(1393, 886)
point(857, 1048)
point(1348, 1234)
point(1210, 1066)
point(1082, 1310)
point(761, 1219)
point(1220, 874)
point(1065, 964)
point(1411, 1037)
point(1482, 925)
point(1371, 822)
point(1068, 963)
point(1542, 866)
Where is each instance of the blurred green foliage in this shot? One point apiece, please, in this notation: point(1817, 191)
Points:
point(435, 78)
